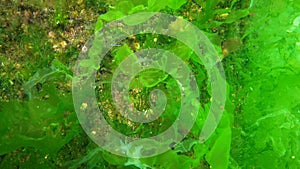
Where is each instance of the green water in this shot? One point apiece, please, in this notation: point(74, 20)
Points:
point(258, 44)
